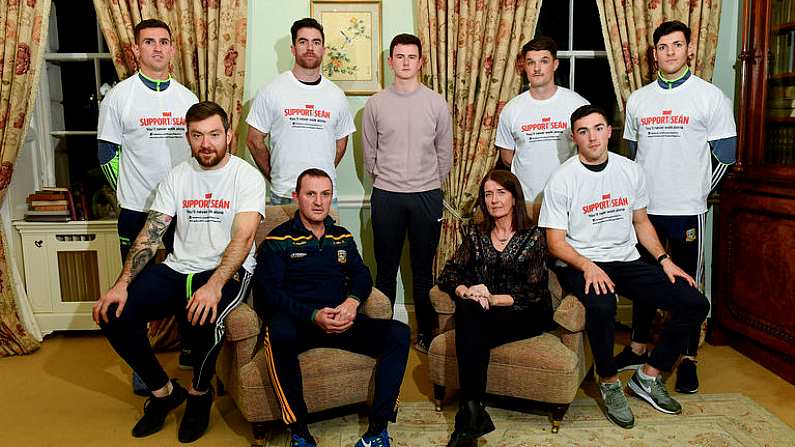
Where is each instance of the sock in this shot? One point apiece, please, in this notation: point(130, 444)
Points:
point(645, 376)
point(169, 389)
point(301, 430)
point(374, 428)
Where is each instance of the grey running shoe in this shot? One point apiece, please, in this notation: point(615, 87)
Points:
point(616, 404)
point(654, 392)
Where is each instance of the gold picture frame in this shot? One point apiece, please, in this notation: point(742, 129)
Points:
point(353, 44)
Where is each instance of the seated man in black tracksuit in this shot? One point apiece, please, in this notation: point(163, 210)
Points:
point(309, 282)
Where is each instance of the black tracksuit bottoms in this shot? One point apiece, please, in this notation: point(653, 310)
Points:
point(395, 215)
point(642, 283)
point(286, 337)
point(158, 292)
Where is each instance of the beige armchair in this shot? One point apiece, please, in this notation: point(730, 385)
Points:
point(328, 374)
point(548, 368)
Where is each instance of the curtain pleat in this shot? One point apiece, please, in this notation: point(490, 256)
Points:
point(470, 49)
point(24, 28)
point(628, 27)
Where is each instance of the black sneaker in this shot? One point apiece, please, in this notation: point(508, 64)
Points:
point(197, 417)
point(156, 409)
point(686, 377)
point(423, 343)
point(185, 359)
point(627, 360)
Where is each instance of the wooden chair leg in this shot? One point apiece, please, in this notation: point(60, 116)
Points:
point(438, 396)
point(558, 411)
point(261, 431)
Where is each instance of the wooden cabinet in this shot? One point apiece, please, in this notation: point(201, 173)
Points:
point(67, 266)
point(754, 300)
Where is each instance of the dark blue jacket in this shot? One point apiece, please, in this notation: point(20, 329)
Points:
point(299, 274)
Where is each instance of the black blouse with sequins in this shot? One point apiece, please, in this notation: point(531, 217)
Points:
point(519, 270)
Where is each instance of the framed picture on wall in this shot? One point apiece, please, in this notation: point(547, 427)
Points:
point(353, 44)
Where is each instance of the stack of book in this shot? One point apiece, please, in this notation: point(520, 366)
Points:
point(782, 45)
point(51, 205)
point(783, 11)
point(781, 102)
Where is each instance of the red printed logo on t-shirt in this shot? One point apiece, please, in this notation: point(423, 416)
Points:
point(544, 130)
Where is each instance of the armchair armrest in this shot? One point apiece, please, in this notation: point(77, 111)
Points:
point(442, 303)
point(377, 306)
point(242, 323)
point(570, 314)
point(242, 332)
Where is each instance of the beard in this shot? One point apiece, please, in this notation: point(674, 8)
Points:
point(210, 161)
point(308, 63)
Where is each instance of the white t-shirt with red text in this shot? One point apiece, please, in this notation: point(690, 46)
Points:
point(205, 203)
point(673, 128)
point(538, 133)
point(150, 127)
point(304, 123)
point(595, 208)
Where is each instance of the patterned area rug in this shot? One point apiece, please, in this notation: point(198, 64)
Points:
point(708, 420)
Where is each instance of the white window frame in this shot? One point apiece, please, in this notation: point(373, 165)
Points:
point(46, 137)
point(572, 55)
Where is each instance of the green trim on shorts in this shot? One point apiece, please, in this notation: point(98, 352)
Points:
point(189, 286)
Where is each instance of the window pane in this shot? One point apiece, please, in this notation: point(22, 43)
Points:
point(553, 21)
point(592, 80)
point(562, 73)
point(79, 95)
point(76, 24)
point(587, 29)
point(107, 75)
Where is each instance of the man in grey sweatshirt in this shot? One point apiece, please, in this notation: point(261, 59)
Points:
point(408, 150)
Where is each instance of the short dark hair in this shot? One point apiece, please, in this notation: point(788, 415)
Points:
point(405, 39)
point(312, 172)
point(307, 22)
point(669, 27)
point(541, 43)
point(521, 220)
point(150, 23)
point(588, 109)
point(205, 109)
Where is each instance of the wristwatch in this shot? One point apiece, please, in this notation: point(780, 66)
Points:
point(662, 258)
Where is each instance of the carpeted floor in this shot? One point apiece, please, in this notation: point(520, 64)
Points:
point(708, 420)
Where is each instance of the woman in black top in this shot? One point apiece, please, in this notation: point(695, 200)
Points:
point(498, 279)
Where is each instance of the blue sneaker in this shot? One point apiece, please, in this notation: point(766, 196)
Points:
point(298, 441)
point(379, 440)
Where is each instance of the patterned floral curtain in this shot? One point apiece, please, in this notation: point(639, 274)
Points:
point(628, 26)
point(24, 27)
point(470, 49)
point(210, 40)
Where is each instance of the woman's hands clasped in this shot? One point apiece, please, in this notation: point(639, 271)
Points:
point(478, 293)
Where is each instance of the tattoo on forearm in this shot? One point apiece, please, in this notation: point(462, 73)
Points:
point(145, 246)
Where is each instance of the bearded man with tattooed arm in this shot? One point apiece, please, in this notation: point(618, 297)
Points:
point(217, 200)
